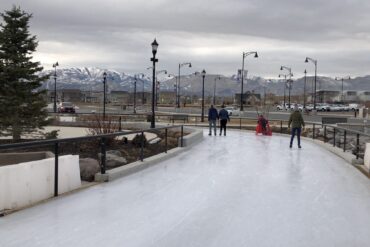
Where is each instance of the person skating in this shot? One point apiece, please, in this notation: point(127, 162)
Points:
point(224, 117)
point(212, 118)
point(297, 122)
point(263, 122)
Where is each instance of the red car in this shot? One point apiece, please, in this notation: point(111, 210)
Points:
point(66, 107)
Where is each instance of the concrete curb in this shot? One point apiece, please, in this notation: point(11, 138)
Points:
point(190, 140)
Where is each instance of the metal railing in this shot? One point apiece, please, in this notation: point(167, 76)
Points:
point(344, 137)
point(102, 143)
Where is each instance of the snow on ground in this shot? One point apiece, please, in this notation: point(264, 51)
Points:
point(238, 190)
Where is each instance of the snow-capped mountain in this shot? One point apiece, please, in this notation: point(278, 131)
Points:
point(92, 79)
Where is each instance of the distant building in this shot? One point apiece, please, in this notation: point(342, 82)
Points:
point(141, 98)
point(166, 97)
point(328, 96)
point(69, 95)
point(119, 97)
point(249, 98)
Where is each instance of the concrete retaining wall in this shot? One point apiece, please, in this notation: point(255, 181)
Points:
point(27, 183)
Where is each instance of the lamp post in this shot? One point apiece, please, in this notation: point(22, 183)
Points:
point(104, 83)
point(154, 60)
point(342, 79)
point(55, 86)
point(203, 76)
point(304, 89)
point(245, 54)
point(178, 84)
point(285, 83)
point(135, 94)
point(289, 82)
point(214, 89)
point(315, 63)
point(158, 84)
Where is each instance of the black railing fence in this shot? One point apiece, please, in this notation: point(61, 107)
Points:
point(97, 145)
point(346, 138)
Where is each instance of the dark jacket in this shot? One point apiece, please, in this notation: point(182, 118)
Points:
point(223, 115)
point(296, 120)
point(212, 114)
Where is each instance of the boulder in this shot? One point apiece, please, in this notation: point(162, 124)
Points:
point(155, 140)
point(114, 152)
point(88, 168)
point(114, 159)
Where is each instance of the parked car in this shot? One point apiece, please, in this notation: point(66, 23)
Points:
point(353, 107)
point(282, 108)
point(322, 107)
point(232, 111)
point(309, 107)
point(66, 107)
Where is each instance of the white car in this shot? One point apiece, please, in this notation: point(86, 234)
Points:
point(232, 111)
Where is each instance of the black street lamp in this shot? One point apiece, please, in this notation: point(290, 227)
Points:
point(178, 84)
point(304, 89)
point(203, 76)
point(245, 54)
point(135, 94)
point(289, 82)
point(214, 89)
point(285, 84)
point(55, 86)
point(154, 60)
point(104, 101)
point(342, 79)
point(315, 63)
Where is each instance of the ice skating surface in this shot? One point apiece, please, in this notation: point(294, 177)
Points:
point(238, 190)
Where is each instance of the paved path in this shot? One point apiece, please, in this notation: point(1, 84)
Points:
point(238, 190)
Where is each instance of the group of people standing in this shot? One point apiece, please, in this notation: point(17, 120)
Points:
point(295, 121)
point(214, 115)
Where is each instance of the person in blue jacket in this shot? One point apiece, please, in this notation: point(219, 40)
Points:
point(224, 117)
point(212, 118)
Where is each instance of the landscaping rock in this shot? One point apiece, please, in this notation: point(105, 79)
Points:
point(114, 159)
point(88, 168)
point(155, 140)
point(114, 152)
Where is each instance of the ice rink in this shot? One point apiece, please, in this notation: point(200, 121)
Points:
point(238, 190)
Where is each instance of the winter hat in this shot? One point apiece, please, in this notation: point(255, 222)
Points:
point(295, 107)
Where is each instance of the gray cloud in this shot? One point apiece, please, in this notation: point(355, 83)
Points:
point(210, 34)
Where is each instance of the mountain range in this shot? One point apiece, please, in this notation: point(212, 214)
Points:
point(92, 79)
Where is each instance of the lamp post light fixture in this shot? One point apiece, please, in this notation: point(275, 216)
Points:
point(315, 63)
point(178, 84)
point(104, 101)
point(289, 82)
point(154, 60)
point(245, 54)
point(342, 79)
point(55, 86)
point(203, 73)
point(214, 89)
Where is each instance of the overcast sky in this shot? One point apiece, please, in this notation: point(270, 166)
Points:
point(212, 34)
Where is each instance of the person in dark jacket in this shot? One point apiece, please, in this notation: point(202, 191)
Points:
point(296, 121)
point(224, 117)
point(212, 118)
